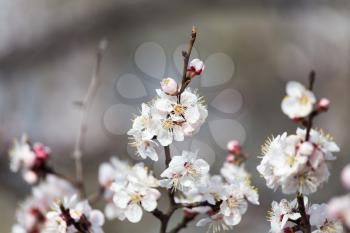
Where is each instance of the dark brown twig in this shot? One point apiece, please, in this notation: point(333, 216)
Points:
point(186, 54)
point(305, 226)
point(183, 224)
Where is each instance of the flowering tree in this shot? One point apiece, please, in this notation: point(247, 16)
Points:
point(298, 164)
point(60, 204)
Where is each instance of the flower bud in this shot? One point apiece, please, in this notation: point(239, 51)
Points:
point(41, 151)
point(345, 176)
point(196, 67)
point(323, 104)
point(169, 86)
point(234, 147)
point(30, 177)
point(306, 148)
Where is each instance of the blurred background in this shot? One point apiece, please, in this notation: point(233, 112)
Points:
point(47, 51)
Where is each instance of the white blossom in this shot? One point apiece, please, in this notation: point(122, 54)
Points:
point(339, 208)
point(299, 101)
point(31, 214)
point(319, 219)
point(133, 197)
point(71, 214)
point(297, 165)
point(184, 171)
point(133, 189)
point(281, 213)
point(233, 206)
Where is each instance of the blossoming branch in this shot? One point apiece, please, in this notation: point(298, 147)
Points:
point(60, 204)
point(298, 164)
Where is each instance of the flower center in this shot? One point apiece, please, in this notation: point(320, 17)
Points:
point(168, 124)
point(190, 169)
point(291, 160)
point(179, 109)
point(304, 100)
point(232, 202)
point(166, 82)
point(136, 198)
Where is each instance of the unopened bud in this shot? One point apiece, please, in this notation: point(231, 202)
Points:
point(41, 151)
point(196, 67)
point(30, 177)
point(234, 147)
point(323, 104)
point(169, 86)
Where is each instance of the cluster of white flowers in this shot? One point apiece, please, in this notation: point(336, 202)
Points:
point(285, 217)
point(223, 198)
point(71, 215)
point(297, 165)
point(298, 162)
point(30, 159)
point(31, 215)
point(170, 116)
point(128, 190)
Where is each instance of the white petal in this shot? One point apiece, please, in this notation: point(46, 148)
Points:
point(294, 89)
point(133, 213)
point(121, 199)
point(97, 217)
point(149, 204)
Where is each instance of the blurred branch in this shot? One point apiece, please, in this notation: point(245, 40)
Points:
point(85, 109)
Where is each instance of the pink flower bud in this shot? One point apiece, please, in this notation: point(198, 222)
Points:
point(323, 104)
point(30, 177)
point(234, 147)
point(169, 86)
point(345, 176)
point(196, 67)
point(41, 151)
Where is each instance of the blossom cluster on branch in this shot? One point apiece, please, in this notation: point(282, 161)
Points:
point(299, 164)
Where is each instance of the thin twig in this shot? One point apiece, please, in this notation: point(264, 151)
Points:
point(85, 107)
point(183, 223)
point(186, 54)
point(305, 226)
point(95, 197)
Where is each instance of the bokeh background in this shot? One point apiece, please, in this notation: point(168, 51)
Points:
point(251, 48)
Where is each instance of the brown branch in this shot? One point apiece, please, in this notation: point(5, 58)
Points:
point(305, 226)
point(304, 223)
point(85, 107)
point(186, 54)
point(183, 223)
point(95, 197)
point(165, 217)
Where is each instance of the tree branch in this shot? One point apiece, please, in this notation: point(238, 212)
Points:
point(183, 223)
point(85, 107)
point(186, 80)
